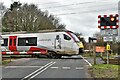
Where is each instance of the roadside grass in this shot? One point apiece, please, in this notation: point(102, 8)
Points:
point(6, 59)
point(111, 57)
point(90, 55)
point(104, 71)
point(4, 62)
point(87, 55)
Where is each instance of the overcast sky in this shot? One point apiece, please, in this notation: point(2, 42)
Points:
point(78, 15)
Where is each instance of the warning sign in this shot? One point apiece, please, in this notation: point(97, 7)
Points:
point(100, 49)
point(107, 47)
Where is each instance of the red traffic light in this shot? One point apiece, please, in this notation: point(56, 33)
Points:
point(112, 19)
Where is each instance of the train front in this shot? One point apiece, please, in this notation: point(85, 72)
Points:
point(78, 45)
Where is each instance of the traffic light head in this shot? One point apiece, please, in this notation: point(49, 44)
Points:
point(108, 21)
point(112, 19)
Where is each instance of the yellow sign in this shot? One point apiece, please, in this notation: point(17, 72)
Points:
point(107, 47)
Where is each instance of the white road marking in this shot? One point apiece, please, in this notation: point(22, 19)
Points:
point(42, 70)
point(37, 70)
point(54, 67)
point(22, 59)
point(65, 67)
point(77, 68)
point(23, 66)
point(86, 61)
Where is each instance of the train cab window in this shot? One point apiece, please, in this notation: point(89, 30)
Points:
point(5, 42)
point(66, 37)
point(28, 41)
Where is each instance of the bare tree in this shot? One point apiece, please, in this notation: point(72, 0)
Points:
point(100, 41)
point(29, 18)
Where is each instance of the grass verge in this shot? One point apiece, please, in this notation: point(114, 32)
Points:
point(4, 62)
point(104, 71)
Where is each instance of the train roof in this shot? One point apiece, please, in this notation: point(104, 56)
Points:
point(41, 31)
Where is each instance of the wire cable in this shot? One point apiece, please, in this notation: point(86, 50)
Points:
point(101, 10)
point(84, 7)
point(75, 4)
point(68, 5)
point(53, 2)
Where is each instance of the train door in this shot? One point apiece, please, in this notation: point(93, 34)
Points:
point(12, 43)
point(57, 44)
point(68, 43)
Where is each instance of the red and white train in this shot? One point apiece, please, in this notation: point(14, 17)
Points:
point(53, 44)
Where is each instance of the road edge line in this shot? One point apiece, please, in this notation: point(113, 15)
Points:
point(86, 61)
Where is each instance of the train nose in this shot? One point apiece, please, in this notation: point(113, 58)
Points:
point(81, 48)
point(80, 44)
point(81, 51)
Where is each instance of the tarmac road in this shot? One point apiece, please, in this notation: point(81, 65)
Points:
point(31, 68)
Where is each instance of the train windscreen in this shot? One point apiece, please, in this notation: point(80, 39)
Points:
point(75, 37)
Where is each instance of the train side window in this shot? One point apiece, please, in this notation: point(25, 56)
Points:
point(66, 37)
point(32, 41)
point(28, 41)
point(5, 42)
point(21, 41)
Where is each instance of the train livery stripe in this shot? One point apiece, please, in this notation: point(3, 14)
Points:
point(33, 50)
point(71, 36)
point(43, 51)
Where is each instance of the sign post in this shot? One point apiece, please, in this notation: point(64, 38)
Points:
point(108, 49)
point(2, 12)
point(94, 53)
point(1, 15)
point(93, 40)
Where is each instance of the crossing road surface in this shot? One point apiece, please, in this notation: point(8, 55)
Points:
point(30, 68)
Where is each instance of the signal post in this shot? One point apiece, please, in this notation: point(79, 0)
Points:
point(108, 25)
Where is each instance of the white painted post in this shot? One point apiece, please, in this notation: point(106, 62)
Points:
point(2, 12)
